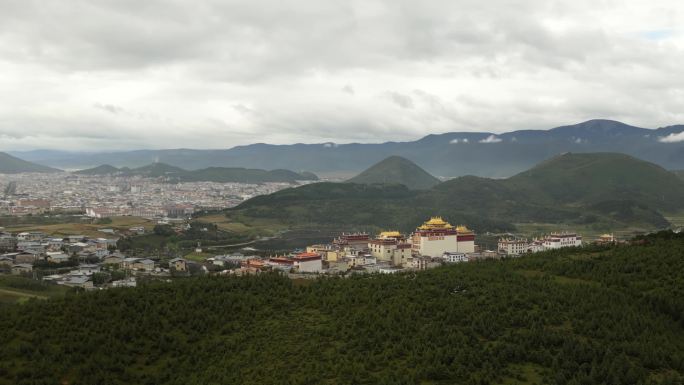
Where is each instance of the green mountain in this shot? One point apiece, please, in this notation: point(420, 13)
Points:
point(211, 174)
point(156, 170)
point(243, 175)
point(603, 190)
point(679, 173)
point(104, 169)
point(590, 316)
point(592, 178)
point(13, 165)
point(397, 170)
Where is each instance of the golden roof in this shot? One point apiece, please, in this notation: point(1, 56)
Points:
point(462, 229)
point(390, 234)
point(436, 223)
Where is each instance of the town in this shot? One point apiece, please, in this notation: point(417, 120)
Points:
point(91, 263)
point(114, 195)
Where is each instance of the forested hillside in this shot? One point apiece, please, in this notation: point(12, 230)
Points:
point(576, 316)
point(13, 165)
point(603, 190)
point(397, 170)
point(210, 174)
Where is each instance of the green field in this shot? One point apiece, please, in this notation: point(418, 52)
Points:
point(14, 289)
point(86, 229)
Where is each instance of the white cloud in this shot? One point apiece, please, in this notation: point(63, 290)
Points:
point(490, 139)
point(456, 141)
point(209, 73)
point(672, 138)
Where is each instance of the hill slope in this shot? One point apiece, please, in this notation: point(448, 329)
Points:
point(211, 174)
point(450, 154)
point(13, 165)
point(397, 170)
point(605, 190)
point(594, 316)
point(104, 169)
point(592, 178)
point(243, 175)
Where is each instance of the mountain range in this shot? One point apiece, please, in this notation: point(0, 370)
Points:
point(604, 190)
point(210, 174)
point(446, 155)
point(12, 165)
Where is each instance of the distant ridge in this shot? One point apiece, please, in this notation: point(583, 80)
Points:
point(210, 174)
point(451, 154)
point(397, 170)
point(12, 165)
point(105, 169)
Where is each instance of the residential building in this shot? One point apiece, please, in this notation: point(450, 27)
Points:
point(22, 268)
point(178, 264)
point(391, 246)
point(308, 262)
point(455, 257)
point(513, 246)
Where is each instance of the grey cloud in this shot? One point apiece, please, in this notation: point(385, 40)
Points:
point(240, 71)
point(348, 89)
point(109, 108)
point(401, 100)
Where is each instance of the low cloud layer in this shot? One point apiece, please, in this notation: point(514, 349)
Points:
point(672, 138)
point(103, 75)
point(490, 139)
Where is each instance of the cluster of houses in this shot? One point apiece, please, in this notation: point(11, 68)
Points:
point(74, 260)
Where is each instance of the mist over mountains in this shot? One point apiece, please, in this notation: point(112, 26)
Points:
point(446, 155)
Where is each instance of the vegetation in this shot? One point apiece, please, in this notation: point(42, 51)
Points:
point(167, 241)
point(679, 173)
point(597, 177)
point(210, 174)
point(104, 169)
point(397, 170)
point(17, 289)
point(579, 316)
point(72, 225)
point(13, 165)
point(599, 190)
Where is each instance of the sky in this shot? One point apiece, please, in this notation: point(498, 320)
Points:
point(127, 74)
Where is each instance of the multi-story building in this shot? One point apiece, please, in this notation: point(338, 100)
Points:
point(559, 240)
point(513, 246)
point(455, 257)
point(391, 246)
point(436, 236)
point(308, 262)
point(352, 242)
point(7, 242)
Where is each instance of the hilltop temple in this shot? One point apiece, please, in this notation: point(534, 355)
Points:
point(436, 236)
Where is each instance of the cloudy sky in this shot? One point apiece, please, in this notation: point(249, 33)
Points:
point(120, 74)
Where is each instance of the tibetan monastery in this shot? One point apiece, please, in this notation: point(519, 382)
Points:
point(436, 237)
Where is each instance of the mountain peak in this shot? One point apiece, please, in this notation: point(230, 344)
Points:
point(396, 170)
